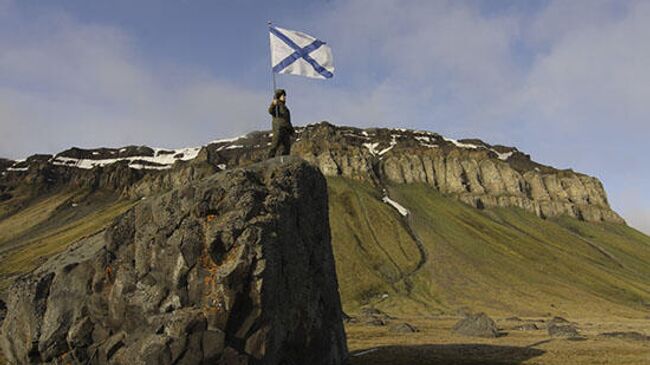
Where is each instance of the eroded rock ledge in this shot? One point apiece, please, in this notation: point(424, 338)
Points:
point(470, 170)
point(236, 268)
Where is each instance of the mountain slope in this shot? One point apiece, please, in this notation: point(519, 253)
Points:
point(504, 260)
point(487, 226)
point(47, 224)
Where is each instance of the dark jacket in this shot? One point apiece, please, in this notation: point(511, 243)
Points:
point(281, 116)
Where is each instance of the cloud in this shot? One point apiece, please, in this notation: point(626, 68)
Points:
point(435, 65)
point(451, 66)
point(565, 81)
point(65, 83)
point(596, 72)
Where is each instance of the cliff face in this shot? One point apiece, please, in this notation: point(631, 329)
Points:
point(480, 175)
point(236, 268)
point(472, 171)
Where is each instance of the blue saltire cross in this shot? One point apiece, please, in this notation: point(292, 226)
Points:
point(299, 53)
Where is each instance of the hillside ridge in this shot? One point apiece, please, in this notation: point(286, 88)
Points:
point(471, 170)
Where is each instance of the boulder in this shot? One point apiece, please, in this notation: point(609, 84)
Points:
point(626, 335)
point(374, 317)
point(404, 328)
point(563, 330)
point(477, 325)
point(236, 268)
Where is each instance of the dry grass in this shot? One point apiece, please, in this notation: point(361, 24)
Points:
point(437, 344)
point(36, 213)
point(503, 261)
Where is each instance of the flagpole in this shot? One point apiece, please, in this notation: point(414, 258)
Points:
point(271, 59)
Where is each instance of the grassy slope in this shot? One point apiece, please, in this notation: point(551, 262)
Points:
point(374, 252)
point(504, 261)
point(48, 225)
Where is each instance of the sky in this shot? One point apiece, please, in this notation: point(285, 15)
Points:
point(565, 81)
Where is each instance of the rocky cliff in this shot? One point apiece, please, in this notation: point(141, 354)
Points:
point(472, 171)
point(235, 268)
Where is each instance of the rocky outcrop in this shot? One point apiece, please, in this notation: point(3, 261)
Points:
point(486, 182)
point(236, 268)
point(472, 171)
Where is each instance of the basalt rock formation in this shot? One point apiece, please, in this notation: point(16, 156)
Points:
point(4, 163)
point(235, 268)
point(472, 171)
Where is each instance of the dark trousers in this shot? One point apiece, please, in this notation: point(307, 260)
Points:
point(280, 143)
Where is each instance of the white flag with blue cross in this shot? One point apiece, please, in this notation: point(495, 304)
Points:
point(298, 53)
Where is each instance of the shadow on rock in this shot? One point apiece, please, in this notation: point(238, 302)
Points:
point(464, 354)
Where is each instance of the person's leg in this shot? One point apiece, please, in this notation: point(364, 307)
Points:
point(275, 143)
point(286, 143)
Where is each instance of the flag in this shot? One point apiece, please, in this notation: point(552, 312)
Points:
point(298, 53)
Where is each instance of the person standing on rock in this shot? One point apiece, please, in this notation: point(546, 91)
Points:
point(282, 128)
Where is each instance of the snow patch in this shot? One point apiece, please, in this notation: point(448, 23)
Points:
point(460, 144)
point(426, 141)
point(231, 147)
point(503, 156)
point(392, 144)
point(21, 169)
point(162, 159)
point(138, 166)
point(429, 145)
point(227, 140)
point(372, 147)
point(403, 211)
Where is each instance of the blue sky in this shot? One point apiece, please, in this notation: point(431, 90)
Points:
point(566, 81)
